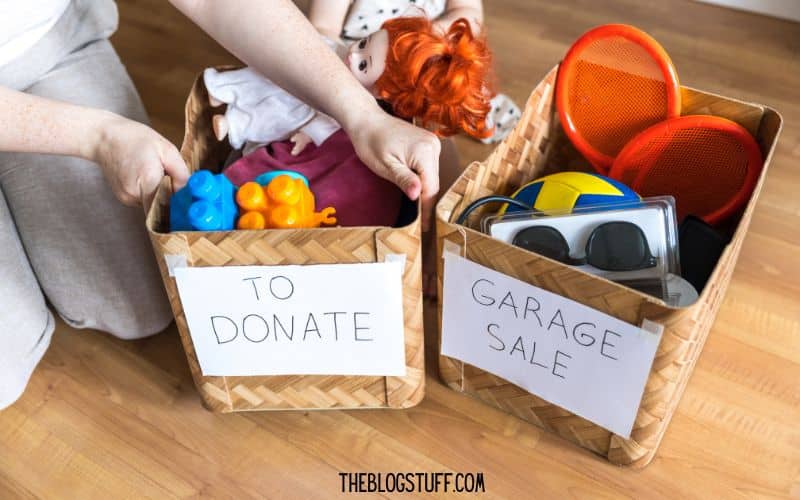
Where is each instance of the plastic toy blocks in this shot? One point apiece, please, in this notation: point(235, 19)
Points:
point(286, 202)
point(206, 203)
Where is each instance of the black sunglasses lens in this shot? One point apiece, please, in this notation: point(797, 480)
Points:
point(543, 240)
point(619, 246)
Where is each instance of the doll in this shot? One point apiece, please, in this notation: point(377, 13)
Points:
point(442, 81)
point(361, 18)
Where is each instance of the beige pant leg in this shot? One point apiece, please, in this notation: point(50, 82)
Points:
point(91, 254)
point(26, 324)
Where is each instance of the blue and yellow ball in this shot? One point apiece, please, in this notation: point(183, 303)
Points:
point(566, 191)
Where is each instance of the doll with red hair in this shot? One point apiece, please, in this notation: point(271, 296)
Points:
point(442, 81)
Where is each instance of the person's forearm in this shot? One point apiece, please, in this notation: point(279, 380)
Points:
point(276, 39)
point(33, 124)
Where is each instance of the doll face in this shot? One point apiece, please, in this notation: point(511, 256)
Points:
point(366, 58)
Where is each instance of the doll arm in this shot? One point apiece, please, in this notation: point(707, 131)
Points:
point(320, 128)
point(300, 141)
point(317, 130)
point(328, 16)
point(132, 156)
point(472, 10)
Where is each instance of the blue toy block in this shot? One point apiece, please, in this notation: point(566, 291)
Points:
point(265, 178)
point(206, 203)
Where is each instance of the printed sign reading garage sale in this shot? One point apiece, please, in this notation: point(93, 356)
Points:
point(576, 357)
point(343, 319)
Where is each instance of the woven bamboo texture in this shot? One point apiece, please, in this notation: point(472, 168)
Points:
point(280, 247)
point(538, 146)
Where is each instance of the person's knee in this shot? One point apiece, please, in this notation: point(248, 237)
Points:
point(112, 282)
point(144, 319)
point(137, 311)
point(140, 326)
point(124, 320)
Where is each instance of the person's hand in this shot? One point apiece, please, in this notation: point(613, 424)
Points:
point(403, 154)
point(134, 159)
point(300, 141)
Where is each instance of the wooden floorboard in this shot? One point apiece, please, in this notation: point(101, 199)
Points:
point(107, 418)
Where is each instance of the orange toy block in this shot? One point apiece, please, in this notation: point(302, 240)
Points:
point(282, 204)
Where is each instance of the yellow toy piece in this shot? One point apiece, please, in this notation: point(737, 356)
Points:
point(284, 203)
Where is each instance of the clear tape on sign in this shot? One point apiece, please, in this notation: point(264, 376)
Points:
point(173, 262)
point(452, 247)
point(397, 257)
point(652, 327)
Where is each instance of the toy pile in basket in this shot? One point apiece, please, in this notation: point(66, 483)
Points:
point(276, 178)
point(663, 182)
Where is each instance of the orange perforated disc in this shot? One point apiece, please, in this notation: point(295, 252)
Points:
point(709, 164)
point(614, 82)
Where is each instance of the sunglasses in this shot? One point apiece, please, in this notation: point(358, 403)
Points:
point(612, 246)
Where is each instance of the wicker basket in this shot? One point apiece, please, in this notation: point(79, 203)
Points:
point(278, 247)
point(536, 147)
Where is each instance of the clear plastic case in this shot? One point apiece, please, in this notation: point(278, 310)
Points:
point(654, 217)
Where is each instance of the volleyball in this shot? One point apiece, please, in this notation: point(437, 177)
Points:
point(566, 191)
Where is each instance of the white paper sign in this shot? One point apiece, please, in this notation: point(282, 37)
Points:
point(342, 319)
point(576, 357)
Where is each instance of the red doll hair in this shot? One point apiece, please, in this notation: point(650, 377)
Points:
point(444, 81)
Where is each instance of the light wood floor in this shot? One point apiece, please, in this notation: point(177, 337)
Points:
point(107, 418)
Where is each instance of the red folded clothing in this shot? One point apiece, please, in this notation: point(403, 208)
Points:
point(336, 176)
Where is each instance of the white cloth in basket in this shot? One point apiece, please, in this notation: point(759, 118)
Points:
point(261, 112)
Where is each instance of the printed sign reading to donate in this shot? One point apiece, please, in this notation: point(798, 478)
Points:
point(343, 319)
point(576, 357)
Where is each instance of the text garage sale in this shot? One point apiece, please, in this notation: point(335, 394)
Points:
point(525, 314)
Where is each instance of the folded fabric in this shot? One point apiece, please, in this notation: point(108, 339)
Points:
point(337, 177)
